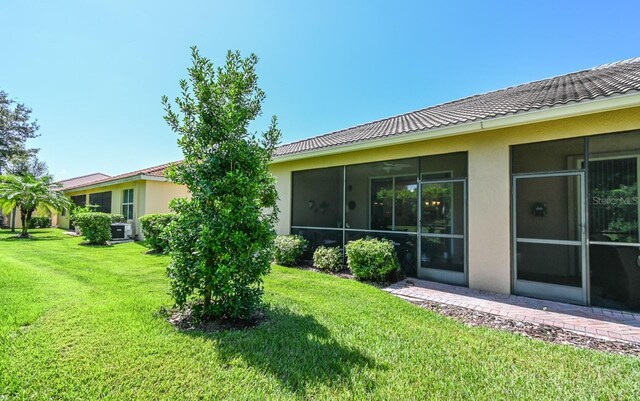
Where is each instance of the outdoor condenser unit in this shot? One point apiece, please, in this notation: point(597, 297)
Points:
point(120, 231)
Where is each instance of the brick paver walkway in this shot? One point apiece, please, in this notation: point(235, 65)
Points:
point(591, 321)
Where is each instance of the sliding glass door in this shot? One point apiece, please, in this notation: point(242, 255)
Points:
point(443, 230)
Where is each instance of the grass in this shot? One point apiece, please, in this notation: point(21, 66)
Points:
point(78, 322)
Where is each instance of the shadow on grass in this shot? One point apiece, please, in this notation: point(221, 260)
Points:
point(294, 348)
point(148, 251)
point(34, 235)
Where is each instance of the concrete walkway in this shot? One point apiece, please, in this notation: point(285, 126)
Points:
point(590, 321)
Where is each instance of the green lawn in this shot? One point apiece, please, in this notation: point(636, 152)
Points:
point(78, 323)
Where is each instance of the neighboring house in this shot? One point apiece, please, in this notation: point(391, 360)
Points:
point(132, 194)
point(71, 182)
point(529, 190)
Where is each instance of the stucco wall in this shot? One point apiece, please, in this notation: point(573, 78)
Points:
point(489, 181)
point(159, 194)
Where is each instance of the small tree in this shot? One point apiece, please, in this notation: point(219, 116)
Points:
point(23, 164)
point(221, 242)
point(28, 193)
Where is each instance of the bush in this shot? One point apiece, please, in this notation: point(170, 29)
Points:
point(153, 228)
point(76, 211)
point(289, 249)
point(118, 218)
point(372, 259)
point(95, 227)
point(328, 258)
point(40, 222)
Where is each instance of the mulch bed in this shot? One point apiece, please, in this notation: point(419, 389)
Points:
point(538, 331)
point(344, 273)
point(184, 320)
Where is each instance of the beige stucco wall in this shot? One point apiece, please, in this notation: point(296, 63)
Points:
point(489, 185)
point(159, 194)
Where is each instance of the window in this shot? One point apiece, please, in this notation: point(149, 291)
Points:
point(101, 202)
point(127, 204)
point(382, 196)
point(394, 203)
point(79, 200)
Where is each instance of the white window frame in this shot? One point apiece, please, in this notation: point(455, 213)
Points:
point(393, 202)
point(124, 191)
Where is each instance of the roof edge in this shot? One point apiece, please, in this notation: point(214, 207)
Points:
point(82, 176)
point(137, 177)
point(557, 112)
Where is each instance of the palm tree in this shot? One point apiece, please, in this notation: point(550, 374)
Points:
point(29, 193)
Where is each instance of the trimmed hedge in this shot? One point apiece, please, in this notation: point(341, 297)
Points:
point(328, 258)
point(118, 218)
point(372, 259)
point(40, 222)
point(288, 249)
point(95, 227)
point(153, 228)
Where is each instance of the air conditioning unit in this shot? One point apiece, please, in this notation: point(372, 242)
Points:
point(120, 231)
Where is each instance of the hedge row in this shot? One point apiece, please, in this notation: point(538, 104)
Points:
point(369, 259)
point(40, 222)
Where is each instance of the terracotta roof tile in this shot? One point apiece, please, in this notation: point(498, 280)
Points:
point(155, 171)
point(82, 180)
point(607, 80)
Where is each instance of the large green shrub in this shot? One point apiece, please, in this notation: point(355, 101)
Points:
point(40, 222)
point(154, 230)
point(372, 259)
point(221, 243)
point(95, 227)
point(288, 249)
point(328, 258)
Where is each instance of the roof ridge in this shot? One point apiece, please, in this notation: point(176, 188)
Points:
point(449, 102)
point(83, 176)
point(616, 63)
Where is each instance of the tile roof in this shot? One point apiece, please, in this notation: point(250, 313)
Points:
point(603, 81)
point(82, 180)
point(155, 171)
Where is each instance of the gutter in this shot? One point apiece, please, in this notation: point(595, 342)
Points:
point(551, 113)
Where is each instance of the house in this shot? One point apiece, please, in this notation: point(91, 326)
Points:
point(529, 190)
point(132, 194)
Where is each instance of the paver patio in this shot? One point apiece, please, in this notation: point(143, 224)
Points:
point(586, 320)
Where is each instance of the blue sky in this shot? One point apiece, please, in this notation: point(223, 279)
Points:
point(94, 71)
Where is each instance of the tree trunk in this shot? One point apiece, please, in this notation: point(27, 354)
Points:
point(207, 298)
point(207, 287)
point(12, 220)
point(23, 220)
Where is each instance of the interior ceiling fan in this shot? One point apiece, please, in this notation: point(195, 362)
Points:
point(389, 167)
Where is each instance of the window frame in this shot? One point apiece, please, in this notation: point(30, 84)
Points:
point(393, 201)
point(129, 204)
